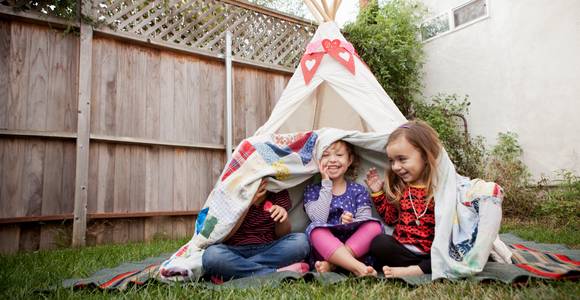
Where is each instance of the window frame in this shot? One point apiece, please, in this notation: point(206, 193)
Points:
point(451, 20)
point(452, 17)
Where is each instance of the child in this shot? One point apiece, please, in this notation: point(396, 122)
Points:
point(412, 150)
point(261, 244)
point(342, 228)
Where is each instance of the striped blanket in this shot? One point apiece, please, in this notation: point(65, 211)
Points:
point(545, 264)
point(538, 262)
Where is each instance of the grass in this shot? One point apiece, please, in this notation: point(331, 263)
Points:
point(23, 275)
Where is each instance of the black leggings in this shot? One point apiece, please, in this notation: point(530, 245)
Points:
point(389, 252)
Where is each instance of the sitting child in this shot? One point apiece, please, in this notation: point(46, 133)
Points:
point(408, 203)
point(340, 210)
point(261, 242)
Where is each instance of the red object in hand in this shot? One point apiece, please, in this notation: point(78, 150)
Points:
point(267, 206)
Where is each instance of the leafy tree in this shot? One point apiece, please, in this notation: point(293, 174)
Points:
point(386, 39)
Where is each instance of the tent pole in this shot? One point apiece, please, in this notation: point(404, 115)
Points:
point(229, 114)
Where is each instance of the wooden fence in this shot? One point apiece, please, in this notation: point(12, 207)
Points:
point(123, 133)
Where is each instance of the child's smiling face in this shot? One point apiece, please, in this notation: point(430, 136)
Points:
point(336, 159)
point(406, 161)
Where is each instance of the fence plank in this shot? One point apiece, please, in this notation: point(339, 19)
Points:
point(137, 191)
point(166, 111)
point(83, 131)
point(214, 104)
point(180, 109)
point(19, 77)
point(38, 78)
point(122, 200)
point(180, 195)
point(52, 196)
point(5, 65)
point(32, 174)
point(11, 204)
point(151, 190)
point(153, 96)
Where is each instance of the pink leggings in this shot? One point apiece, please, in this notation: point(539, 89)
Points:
point(359, 242)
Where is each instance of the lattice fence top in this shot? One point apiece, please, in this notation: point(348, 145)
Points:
point(202, 25)
point(258, 35)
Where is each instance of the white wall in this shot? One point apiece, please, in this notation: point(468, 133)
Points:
point(521, 69)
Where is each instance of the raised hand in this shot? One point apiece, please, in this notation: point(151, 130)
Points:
point(323, 170)
point(260, 193)
point(373, 181)
point(278, 213)
point(346, 217)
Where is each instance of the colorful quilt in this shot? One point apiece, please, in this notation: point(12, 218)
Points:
point(286, 160)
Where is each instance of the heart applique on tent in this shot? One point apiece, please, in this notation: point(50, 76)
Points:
point(339, 53)
point(309, 65)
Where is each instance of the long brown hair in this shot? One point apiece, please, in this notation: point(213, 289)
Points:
point(426, 140)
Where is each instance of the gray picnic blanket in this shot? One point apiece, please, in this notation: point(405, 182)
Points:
point(531, 260)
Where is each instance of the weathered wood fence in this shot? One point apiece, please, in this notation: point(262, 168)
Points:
point(119, 126)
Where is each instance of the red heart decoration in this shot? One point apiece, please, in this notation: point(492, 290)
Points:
point(326, 44)
point(309, 65)
point(344, 57)
point(267, 206)
point(335, 43)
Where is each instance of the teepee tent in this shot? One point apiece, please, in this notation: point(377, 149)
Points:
point(332, 87)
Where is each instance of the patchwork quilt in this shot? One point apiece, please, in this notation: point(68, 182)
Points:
point(467, 212)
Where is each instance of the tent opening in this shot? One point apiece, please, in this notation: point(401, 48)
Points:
point(323, 107)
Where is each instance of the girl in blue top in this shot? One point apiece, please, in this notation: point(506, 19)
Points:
point(340, 210)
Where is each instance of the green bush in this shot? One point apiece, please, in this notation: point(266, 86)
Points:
point(505, 167)
point(562, 202)
point(445, 113)
point(386, 39)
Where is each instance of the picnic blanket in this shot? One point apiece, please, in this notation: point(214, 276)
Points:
point(530, 260)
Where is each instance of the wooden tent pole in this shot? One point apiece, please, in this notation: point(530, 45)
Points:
point(314, 12)
point(325, 6)
point(321, 11)
point(335, 7)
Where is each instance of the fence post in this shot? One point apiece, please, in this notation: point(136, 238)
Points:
point(229, 106)
point(83, 133)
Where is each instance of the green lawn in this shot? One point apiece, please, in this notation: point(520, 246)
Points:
point(22, 276)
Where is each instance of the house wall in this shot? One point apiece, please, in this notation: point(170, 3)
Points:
point(520, 67)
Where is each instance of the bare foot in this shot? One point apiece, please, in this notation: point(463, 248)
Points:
point(299, 267)
point(323, 266)
point(402, 271)
point(366, 271)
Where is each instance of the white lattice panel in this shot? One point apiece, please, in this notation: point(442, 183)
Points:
point(202, 24)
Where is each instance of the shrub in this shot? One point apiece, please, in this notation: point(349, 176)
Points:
point(505, 167)
point(446, 114)
point(386, 39)
point(562, 202)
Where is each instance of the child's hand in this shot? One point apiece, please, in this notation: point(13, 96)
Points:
point(346, 217)
point(278, 213)
point(323, 170)
point(260, 193)
point(373, 180)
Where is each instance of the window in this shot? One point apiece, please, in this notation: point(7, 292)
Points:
point(465, 14)
point(469, 12)
point(435, 26)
